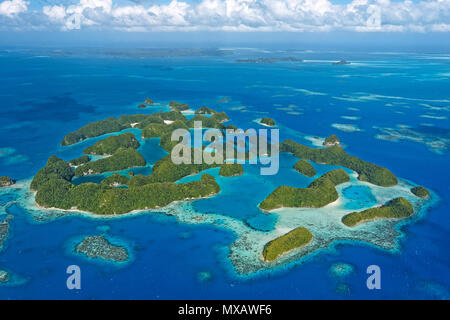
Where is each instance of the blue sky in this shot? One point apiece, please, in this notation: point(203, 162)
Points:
point(298, 18)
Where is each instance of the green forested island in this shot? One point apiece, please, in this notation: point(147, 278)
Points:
point(115, 180)
point(205, 110)
point(148, 101)
point(268, 122)
point(4, 276)
point(6, 181)
point(55, 169)
point(319, 193)
point(396, 208)
point(420, 192)
point(53, 182)
point(231, 170)
point(165, 170)
point(331, 140)
point(335, 155)
point(291, 240)
point(304, 167)
point(55, 190)
point(123, 158)
point(177, 106)
point(92, 130)
point(111, 144)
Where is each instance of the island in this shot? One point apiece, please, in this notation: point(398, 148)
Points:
point(6, 181)
point(267, 122)
point(319, 193)
point(341, 63)
point(123, 158)
point(269, 60)
point(115, 180)
point(54, 190)
point(4, 276)
point(420, 192)
point(94, 129)
point(292, 240)
point(214, 121)
point(305, 168)
point(4, 229)
point(231, 170)
point(148, 101)
point(55, 169)
point(154, 130)
point(142, 106)
point(177, 106)
point(396, 208)
point(205, 110)
point(98, 247)
point(111, 144)
point(335, 155)
point(331, 141)
point(79, 161)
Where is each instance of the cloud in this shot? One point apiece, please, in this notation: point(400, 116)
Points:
point(55, 13)
point(13, 7)
point(245, 15)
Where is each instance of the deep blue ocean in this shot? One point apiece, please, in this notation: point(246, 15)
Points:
point(388, 108)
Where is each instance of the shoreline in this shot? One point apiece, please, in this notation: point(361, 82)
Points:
point(284, 253)
point(331, 204)
point(115, 215)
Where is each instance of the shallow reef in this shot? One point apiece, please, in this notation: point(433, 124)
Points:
point(100, 247)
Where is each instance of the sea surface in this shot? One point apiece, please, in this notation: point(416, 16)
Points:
point(388, 108)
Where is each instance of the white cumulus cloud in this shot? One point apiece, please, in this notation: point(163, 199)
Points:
point(244, 15)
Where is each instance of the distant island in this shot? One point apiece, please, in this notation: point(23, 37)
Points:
point(294, 239)
point(396, 208)
point(148, 101)
point(341, 63)
point(6, 181)
point(268, 122)
point(269, 60)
